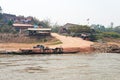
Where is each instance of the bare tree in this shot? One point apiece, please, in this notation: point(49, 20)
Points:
point(0, 13)
point(0, 10)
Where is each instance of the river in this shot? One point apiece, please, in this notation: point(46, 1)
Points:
point(60, 67)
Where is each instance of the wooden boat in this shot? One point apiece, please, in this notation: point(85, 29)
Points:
point(47, 51)
point(40, 49)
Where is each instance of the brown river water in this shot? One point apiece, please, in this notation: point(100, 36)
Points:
point(60, 67)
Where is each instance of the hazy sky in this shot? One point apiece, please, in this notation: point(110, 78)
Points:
point(64, 11)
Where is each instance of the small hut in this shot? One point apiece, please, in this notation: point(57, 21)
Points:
point(22, 27)
point(39, 31)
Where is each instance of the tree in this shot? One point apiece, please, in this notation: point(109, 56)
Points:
point(7, 29)
point(0, 9)
point(0, 13)
point(117, 29)
point(35, 21)
point(55, 28)
point(45, 23)
point(98, 27)
point(80, 29)
point(111, 24)
point(102, 28)
point(10, 22)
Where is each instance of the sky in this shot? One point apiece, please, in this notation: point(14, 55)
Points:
point(67, 11)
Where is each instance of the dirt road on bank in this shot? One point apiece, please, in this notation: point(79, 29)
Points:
point(68, 41)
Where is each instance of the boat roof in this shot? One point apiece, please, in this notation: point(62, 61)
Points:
point(39, 29)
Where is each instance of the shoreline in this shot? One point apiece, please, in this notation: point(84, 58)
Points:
point(67, 43)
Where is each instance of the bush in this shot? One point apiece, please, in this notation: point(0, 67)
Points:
point(102, 35)
point(95, 37)
point(80, 29)
point(111, 35)
point(55, 29)
point(7, 29)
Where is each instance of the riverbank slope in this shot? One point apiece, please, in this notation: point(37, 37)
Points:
point(66, 42)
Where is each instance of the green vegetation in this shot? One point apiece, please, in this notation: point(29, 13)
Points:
point(55, 28)
point(55, 42)
point(7, 29)
point(45, 23)
point(108, 33)
point(0, 9)
point(93, 32)
point(0, 13)
point(7, 20)
point(111, 34)
point(79, 29)
point(117, 29)
point(102, 35)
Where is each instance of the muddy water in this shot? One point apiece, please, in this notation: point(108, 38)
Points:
point(60, 67)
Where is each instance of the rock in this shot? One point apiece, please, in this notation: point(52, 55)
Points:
point(106, 48)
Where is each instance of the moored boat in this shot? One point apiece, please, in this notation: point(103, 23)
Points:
point(47, 51)
point(40, 49)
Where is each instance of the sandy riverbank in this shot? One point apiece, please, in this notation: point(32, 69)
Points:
point(73, 43)
point(67, 42)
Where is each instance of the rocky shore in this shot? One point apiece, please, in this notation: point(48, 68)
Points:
point(105, 48)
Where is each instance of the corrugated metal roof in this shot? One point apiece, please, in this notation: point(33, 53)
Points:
point(39, 29)
point(25, 25)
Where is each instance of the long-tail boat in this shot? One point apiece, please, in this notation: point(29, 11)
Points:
point(40, 49)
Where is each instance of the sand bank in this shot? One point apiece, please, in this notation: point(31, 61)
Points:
point(67, 42)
